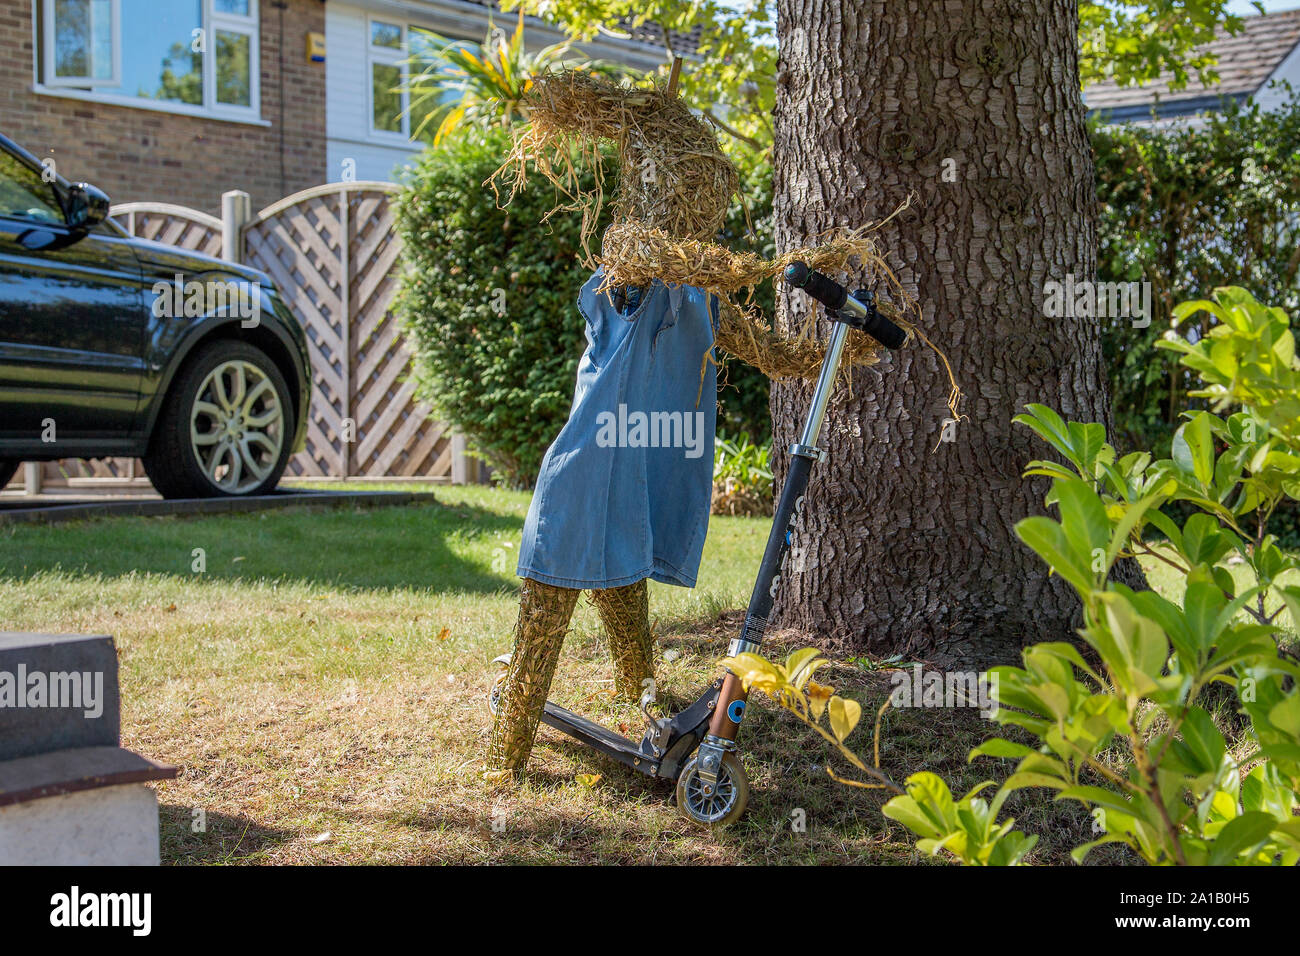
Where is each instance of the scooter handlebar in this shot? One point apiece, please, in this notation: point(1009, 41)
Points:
point(836, 298)
point(825, 290)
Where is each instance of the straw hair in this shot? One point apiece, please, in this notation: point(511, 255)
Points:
point(674, 175)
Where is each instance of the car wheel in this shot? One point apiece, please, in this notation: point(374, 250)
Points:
point(7, 469)
point(225, 428)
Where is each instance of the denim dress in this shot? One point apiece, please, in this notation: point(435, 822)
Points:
point(624, 490)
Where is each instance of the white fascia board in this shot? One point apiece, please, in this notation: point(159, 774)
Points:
point(458, 17)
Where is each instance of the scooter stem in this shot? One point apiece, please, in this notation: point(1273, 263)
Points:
point(825, 385)
point(846, 311)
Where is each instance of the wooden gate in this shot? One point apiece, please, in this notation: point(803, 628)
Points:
point(333, 254)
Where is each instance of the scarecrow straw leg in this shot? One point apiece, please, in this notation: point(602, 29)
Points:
point(544, 614)
point(625, 613)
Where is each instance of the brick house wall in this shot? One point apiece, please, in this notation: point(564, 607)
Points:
point(148, 155)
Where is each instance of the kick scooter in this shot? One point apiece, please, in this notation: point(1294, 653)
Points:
point(697, 746)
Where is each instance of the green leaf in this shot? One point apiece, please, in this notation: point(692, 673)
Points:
point(1050, 543)
point(1050, 427)
point(908, 812)
point(1203, 541)
point(997, 747)
point(1203, 739)
point(1087, 441)
point(1241, 834)
point(1285, 716)
point(1083, 517)
point(1193, 448)
point(1079, 852)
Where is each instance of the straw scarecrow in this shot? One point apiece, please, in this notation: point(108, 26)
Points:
point(609, 514)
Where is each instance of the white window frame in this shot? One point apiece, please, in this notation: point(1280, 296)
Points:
point(115, 44)
point(75, 88)
point(249, 26)
point(386, 56)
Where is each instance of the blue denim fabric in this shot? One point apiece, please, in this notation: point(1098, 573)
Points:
point(610, 508)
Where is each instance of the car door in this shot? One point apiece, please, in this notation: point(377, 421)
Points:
point(72, 320)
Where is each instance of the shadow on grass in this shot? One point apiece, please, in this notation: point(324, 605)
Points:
point(225, 838)
point(391, 548)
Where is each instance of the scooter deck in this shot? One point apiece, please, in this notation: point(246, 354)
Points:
point(600, 738)
point(679, 737)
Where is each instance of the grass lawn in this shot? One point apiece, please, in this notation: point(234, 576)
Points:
point(322, 681)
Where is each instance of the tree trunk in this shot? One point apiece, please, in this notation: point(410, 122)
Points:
point(906, 544)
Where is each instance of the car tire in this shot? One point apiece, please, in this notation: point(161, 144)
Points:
point(8, 468)
point(225, 428)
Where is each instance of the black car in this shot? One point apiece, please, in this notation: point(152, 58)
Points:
point(116, 346)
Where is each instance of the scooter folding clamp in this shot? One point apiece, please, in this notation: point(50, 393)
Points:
point(658, 729)
point(808, 451)
point(740, 645)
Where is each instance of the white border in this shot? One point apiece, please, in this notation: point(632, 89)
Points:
point(114, 40)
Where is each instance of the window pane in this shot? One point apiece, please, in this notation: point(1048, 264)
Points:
point(234, 84)
point(238, 7)
point(83, 39)
point(159, 61)
point(433, 92)
point(386, 34)
point(24, 195)
point(424, 44)
point(388, 102)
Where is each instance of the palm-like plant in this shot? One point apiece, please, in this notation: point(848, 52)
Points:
point(452, 82)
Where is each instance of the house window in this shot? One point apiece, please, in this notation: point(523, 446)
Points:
point(387, 51)
point(395, 50)
point(195, 56)
point(80, 48)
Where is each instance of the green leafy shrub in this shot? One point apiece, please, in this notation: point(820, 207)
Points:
point(1127, 733)
point(1183, 796)
point(742, 476)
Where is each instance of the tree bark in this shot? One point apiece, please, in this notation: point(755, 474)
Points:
point(906, 543)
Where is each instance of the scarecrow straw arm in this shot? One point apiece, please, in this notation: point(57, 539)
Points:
point(635, 255)
point(745, 334)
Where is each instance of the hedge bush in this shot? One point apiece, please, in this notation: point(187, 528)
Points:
point(1190, 209)
point(742, 389)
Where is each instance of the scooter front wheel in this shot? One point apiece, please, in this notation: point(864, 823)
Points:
point(718, 805)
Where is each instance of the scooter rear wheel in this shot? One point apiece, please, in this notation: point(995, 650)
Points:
point(498, 683)
point(724, 804)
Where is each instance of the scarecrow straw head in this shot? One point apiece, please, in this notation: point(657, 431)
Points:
point(673, 175)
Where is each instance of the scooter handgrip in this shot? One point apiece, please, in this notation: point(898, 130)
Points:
point(826, 291)
point(885, 332)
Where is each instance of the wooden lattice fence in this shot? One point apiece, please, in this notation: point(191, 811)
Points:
point(332, 252)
